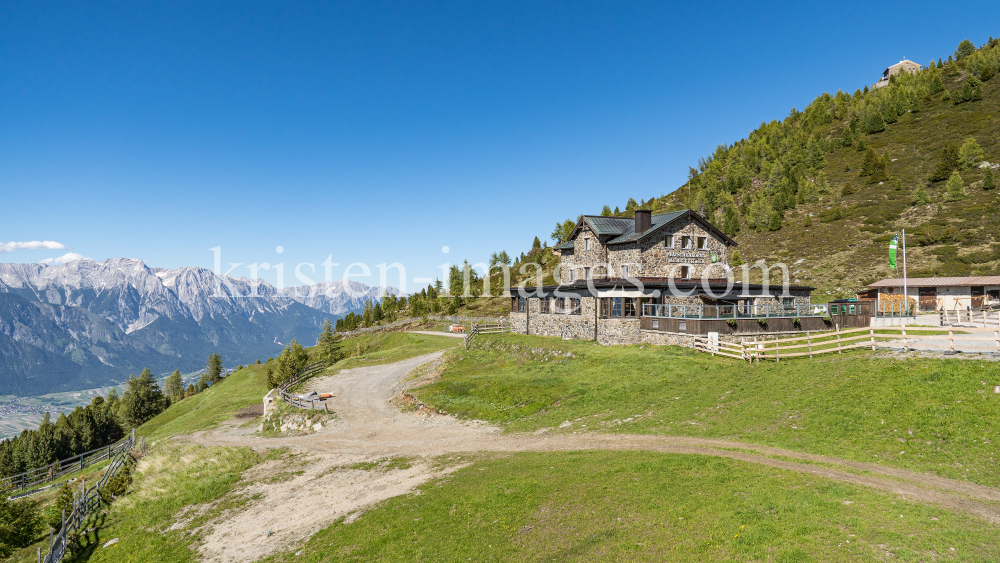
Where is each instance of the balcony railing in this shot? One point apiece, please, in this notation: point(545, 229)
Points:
point(733, 311)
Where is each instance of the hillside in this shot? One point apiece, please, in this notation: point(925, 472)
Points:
point(797, 169)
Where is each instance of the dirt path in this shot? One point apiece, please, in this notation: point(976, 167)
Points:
point(369, 428)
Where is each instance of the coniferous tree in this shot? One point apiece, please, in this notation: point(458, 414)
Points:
point(847, 190)
point(970, 154)
point(989, 183)
point(290, 362)
point(775, 223)
point(213, 371)
point(631, 204)
point(327, 346)
point(606, 211)
point(142, 400)
point(956, 188)
point(174, 386)
point(965, 48)
point(730, 221)
point(616, 210)
point(947, 164)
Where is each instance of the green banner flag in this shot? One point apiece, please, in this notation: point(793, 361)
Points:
point(892, 251)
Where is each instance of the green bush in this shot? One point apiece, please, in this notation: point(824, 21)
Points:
point(20, 523)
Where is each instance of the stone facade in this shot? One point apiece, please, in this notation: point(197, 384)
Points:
point(649, 256)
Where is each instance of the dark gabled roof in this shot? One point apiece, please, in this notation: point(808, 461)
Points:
point(659, 220)
point(623, 228)
point(662, 220)
point(568, 245)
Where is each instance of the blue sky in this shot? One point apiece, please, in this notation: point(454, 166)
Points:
point(380, 132)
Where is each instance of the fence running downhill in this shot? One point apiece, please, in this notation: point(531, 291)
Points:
point(84, 502)
point(499, 327)
point(297, 401)
point(941, 339)
point(23, 484)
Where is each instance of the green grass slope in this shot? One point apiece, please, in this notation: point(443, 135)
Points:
point(637, 506)
point(938, 416)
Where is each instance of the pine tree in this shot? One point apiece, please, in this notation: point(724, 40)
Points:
point(899, 185)
point(327, 347)
point(956, 188)
point(775, 223)
point(290, 362)
point(606, 211)
point(174, 386)
point(988, 182)
point(730, 221)
point(213, 371)
point(947, 164)
point(142, 400)
point(736, 259)
point(847, 190)
point(20, 524)
point(970, 154)
point(616, 210)
point(631, 204)
point(807, 222)
point(846, 137)
point(965, 48)
point(63, 501)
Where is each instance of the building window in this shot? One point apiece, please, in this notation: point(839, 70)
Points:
point(518, 304)
point(630, 307)
point(574, 306)
point(586, 244)
point(685, 242)
point(572, 274)
point(668, 241)
point(586, 273)
point(701, 243)
point(656, 323)
point(682, 326)
point(685, 270)
point(543, 305)
point(560, 305)
point(624, 271)
point(616, 306)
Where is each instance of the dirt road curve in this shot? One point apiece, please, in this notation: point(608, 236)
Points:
point(369, 427)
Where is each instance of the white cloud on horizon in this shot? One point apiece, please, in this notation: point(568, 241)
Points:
point(68, 257)
point(32, 245)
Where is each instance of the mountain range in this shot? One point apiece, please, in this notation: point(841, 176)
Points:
point(85, 324)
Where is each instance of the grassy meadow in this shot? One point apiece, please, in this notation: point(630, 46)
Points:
point(638, 506)
point(937, 416)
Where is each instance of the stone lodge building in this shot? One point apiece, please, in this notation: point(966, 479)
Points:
point(658, 279)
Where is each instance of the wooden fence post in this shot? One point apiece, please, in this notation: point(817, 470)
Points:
point(996, 339)
point(904, 338)
point(809, 342)
point(777, 351)
point(872, 331)
point(837, 326)
point(951, 339)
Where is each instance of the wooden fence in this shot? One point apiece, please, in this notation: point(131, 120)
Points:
point(296, 401)
point(84, 501)
point(23, 484)
point(972, 339)
point(499, 327)
point(983, 319)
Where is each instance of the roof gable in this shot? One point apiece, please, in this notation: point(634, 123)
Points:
point(663, 220)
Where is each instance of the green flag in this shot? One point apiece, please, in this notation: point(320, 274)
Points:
point(892, 251)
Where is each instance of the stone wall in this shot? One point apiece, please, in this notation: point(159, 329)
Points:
point(596, 258)
point(658, 261)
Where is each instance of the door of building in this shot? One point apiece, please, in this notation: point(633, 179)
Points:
point(927, 298)
point(978, 296)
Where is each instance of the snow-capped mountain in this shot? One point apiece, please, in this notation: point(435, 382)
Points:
point(339, 297)
point(86, 323)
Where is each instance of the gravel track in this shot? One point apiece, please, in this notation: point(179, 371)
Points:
point(370, 427)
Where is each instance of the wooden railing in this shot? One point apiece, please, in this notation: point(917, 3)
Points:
point(23, 484)
point(498, 327)
point(296, 401)
point(984, 319)
point(973, 339)
point(84, 501)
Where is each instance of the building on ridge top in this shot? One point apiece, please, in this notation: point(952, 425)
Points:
point(657, 279)
point(902, 66)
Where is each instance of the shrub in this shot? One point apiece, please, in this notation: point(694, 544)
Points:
point(970, 154)
point(63, 501)
point(920, 196)
point(118, 484)
point(989, 182)
point(20, 522)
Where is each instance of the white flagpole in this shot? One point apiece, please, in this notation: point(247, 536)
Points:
point(906, 295)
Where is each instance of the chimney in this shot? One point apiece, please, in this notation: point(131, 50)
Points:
point(643, 220)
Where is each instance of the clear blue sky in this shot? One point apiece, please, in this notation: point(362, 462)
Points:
point(380, 132)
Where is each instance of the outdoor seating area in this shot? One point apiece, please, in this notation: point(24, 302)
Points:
point(735, 311)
